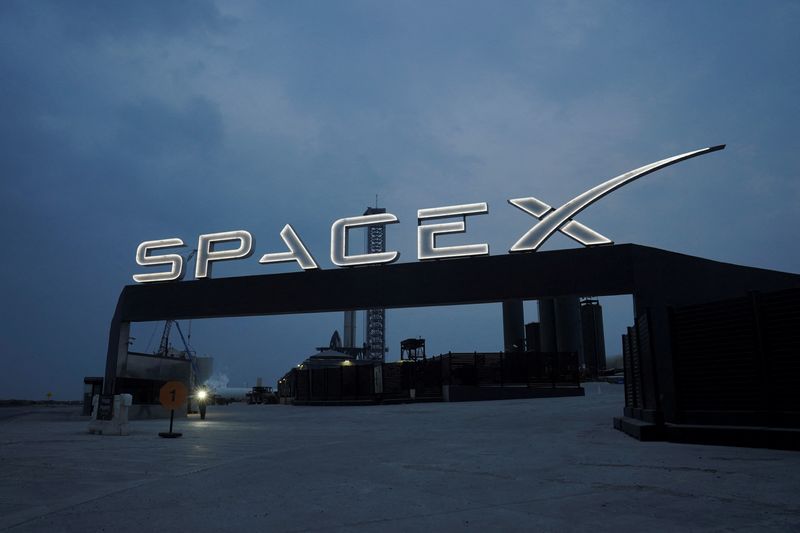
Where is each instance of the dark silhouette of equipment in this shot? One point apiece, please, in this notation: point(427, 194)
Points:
point(412, 349)
point(261, 394)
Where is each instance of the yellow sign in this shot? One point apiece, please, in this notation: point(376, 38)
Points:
point(173, 394)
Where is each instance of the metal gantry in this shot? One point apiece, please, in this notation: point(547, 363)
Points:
point(375, 330)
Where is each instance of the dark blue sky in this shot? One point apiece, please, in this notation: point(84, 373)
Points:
point(128, 121)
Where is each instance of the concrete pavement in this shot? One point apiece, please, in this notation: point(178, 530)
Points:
point(515, 465)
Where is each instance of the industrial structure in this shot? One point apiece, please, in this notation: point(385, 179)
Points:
point(375, 330)
point(733, 371)
point(657, 280)
point(412, 349)
point(326, 379)
point(593, 340)
point(374, 346)
point(660, 347)
point(143, 374)
point(570, 324)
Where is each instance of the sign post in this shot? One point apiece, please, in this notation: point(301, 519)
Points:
point(172, 395)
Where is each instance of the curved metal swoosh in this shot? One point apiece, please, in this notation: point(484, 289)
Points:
point(536, 236)
point(573, 229)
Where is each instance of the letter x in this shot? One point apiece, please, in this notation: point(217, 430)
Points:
point(561, 219)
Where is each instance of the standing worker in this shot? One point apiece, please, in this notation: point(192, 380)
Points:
point(202, 399)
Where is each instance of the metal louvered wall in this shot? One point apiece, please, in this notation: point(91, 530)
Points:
point(737, 361)
point(635, 345)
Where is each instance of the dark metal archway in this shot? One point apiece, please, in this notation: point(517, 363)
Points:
point(656, 279)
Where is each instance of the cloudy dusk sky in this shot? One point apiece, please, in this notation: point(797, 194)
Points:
point(129, 121)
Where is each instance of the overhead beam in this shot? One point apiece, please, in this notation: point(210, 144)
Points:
point(654, 278)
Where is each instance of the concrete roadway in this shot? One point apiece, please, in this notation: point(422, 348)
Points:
point(517, 465)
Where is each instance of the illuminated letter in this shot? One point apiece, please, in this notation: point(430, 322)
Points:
point(340, 238)
point(207, 255)
point(572, 229)
point(561, 218)
point(298, 252)
point(426, 235)
point(143, 259)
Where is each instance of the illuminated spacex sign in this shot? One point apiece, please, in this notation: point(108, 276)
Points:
point(550, 220)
